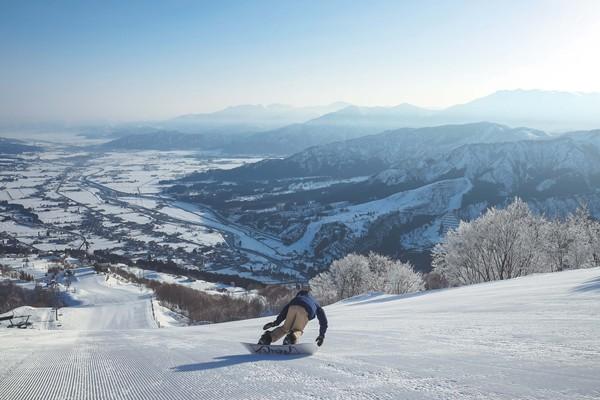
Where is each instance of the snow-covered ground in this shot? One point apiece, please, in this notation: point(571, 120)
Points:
point(529, 338)
point(434, 199)
point(32, 264)
point(141, 171)
point(189, 212)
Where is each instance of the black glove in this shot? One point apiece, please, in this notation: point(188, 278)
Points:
point(319, 340)
point(269, 325)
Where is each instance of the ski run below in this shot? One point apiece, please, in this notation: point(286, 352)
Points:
point(536, 337)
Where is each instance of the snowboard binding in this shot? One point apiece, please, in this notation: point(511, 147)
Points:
point(290, 339)
point(265, 339)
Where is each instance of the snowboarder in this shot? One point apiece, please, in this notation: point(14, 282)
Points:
point(296, 314)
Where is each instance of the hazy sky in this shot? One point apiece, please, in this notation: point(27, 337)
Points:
point(125, 60)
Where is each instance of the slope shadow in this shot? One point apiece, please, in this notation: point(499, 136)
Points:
point(593, 285)
point(227, 361)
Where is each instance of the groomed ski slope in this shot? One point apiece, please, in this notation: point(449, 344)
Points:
point(99, 304)
point(536, 337)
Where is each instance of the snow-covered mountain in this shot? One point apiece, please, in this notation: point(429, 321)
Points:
point(549, 166)
point(404, 144)
point(533, 337)
point(371, 154)
point(351, 195)
point(295, 138)
point(555, 176)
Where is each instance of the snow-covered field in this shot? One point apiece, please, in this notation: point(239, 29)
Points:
point(189, 212)
point(31, 264)
point(141, 171)
point(76, 207)
point(529, 338)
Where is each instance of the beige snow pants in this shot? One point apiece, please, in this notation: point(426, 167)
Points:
point(295, 321)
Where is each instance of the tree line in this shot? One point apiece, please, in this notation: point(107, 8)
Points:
point(13, 296)
point(173, 268)
point(512, 242)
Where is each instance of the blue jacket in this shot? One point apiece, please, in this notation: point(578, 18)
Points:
point(312, 307)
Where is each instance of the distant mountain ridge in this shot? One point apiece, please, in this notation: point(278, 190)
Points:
point(249, 118)
point(542, 110)
point(166, 140)
point(551, 111)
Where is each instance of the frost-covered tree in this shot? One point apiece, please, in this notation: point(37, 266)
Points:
point(556, 244)
point(392, 276)
point(379, 266)
point(572, 243)
point(323, 288)
point(584, 234)
point(350, 275)
point(356, 274)
point(402, 278)
point(501, 244)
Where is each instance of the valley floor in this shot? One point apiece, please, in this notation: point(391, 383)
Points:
point(529, 338)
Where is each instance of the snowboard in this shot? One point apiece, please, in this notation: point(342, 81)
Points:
point(286, 349)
